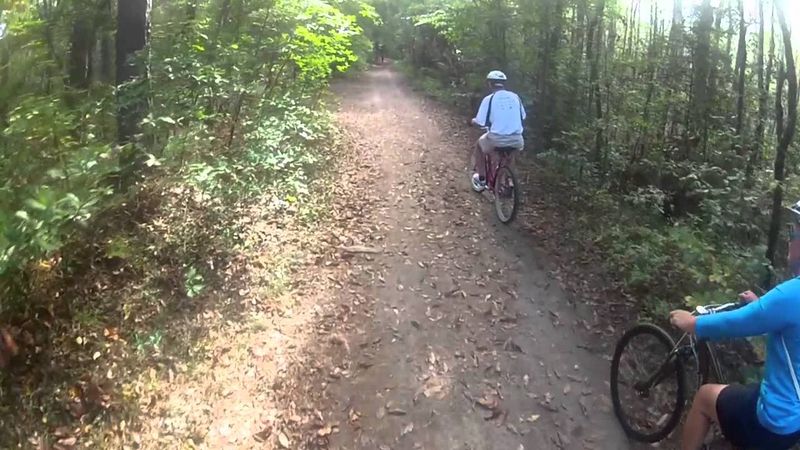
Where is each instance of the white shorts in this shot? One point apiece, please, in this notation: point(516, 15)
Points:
point(490, 141)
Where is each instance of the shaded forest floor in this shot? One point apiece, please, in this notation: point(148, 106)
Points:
point(405, 317)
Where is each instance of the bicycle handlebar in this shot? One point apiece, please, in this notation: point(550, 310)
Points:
point(713, 309)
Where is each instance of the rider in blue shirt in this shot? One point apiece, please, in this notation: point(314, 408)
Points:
point(765, 416)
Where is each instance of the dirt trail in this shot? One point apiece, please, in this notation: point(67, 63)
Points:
point(461, 339)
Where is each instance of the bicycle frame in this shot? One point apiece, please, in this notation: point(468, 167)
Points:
point(491, 170)
point(681, 349)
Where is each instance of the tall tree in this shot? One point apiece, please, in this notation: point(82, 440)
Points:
point(785, 129)
point(80, 51)
point(594, 81)
point(133, 29)
point(741, 66)
point(701, 64)
point(763, 95)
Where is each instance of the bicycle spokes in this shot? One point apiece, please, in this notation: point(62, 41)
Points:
point(647, 381)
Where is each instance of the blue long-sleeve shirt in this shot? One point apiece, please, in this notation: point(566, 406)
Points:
point(776, 314)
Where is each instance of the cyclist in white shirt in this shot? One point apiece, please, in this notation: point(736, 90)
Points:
point(503, 114)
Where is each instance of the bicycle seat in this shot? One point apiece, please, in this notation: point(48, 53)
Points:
point(505, 149)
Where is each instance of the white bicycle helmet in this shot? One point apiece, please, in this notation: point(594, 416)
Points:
point(496, 75)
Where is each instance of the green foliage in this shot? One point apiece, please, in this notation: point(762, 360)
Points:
point(234, 110)
point(193, 283)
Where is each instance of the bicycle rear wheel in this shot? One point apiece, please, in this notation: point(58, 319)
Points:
point(506, 194)
point(648, 387)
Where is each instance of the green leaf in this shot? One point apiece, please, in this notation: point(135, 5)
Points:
point(35, 204)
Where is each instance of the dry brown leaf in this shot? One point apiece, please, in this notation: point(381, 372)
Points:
point(263, 435)
point(327, 430)
point(68, 442)
point(283, 440)
point(397, 411)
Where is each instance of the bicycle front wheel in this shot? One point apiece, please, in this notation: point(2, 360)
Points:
point(648, 387)
point(506, 194)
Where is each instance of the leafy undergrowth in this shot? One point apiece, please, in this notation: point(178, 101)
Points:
point(141, 300)
point(623, 276)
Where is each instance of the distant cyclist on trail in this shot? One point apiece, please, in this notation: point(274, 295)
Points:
point(765, 416)
point(503, 114)
point(380, 52)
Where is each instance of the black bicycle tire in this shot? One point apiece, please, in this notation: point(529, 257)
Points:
point(676, 414)
point(515, 207)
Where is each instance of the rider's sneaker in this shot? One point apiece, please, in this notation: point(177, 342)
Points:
point(478, 185)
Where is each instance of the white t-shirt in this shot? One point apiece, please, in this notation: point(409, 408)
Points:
point(506, 115)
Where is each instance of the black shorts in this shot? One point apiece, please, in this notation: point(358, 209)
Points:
point(738, 419)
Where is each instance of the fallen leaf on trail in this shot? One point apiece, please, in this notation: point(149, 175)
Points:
point(407, 429)
point(435, 387)
point(283, 440)
point(354, 416)
point(567, 388)
point(489, 402)
point(327, 430)
point(584, 406)
point(359, 249)
point(533, 418)
point(512, 346)
point(365, 364)
point(381, 413)
point(263, 435)
point(68, 442)
point(397, 411)
point(563, 441)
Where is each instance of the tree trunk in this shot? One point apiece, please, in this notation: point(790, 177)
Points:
point(80, 51)
point(106, 69)
point(729, 34)
point(676, 32)
point(594, 96)
point(785, 132)
point(107, 58)
point(133, 29)
point(5, 59)
point(698, 112)
point(763, 93)
point(741, 65)
point(548, 86)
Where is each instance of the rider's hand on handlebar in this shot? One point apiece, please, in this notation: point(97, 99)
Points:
point(683, 320)
point(748, 297)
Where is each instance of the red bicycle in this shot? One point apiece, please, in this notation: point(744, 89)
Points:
point(501, 182)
